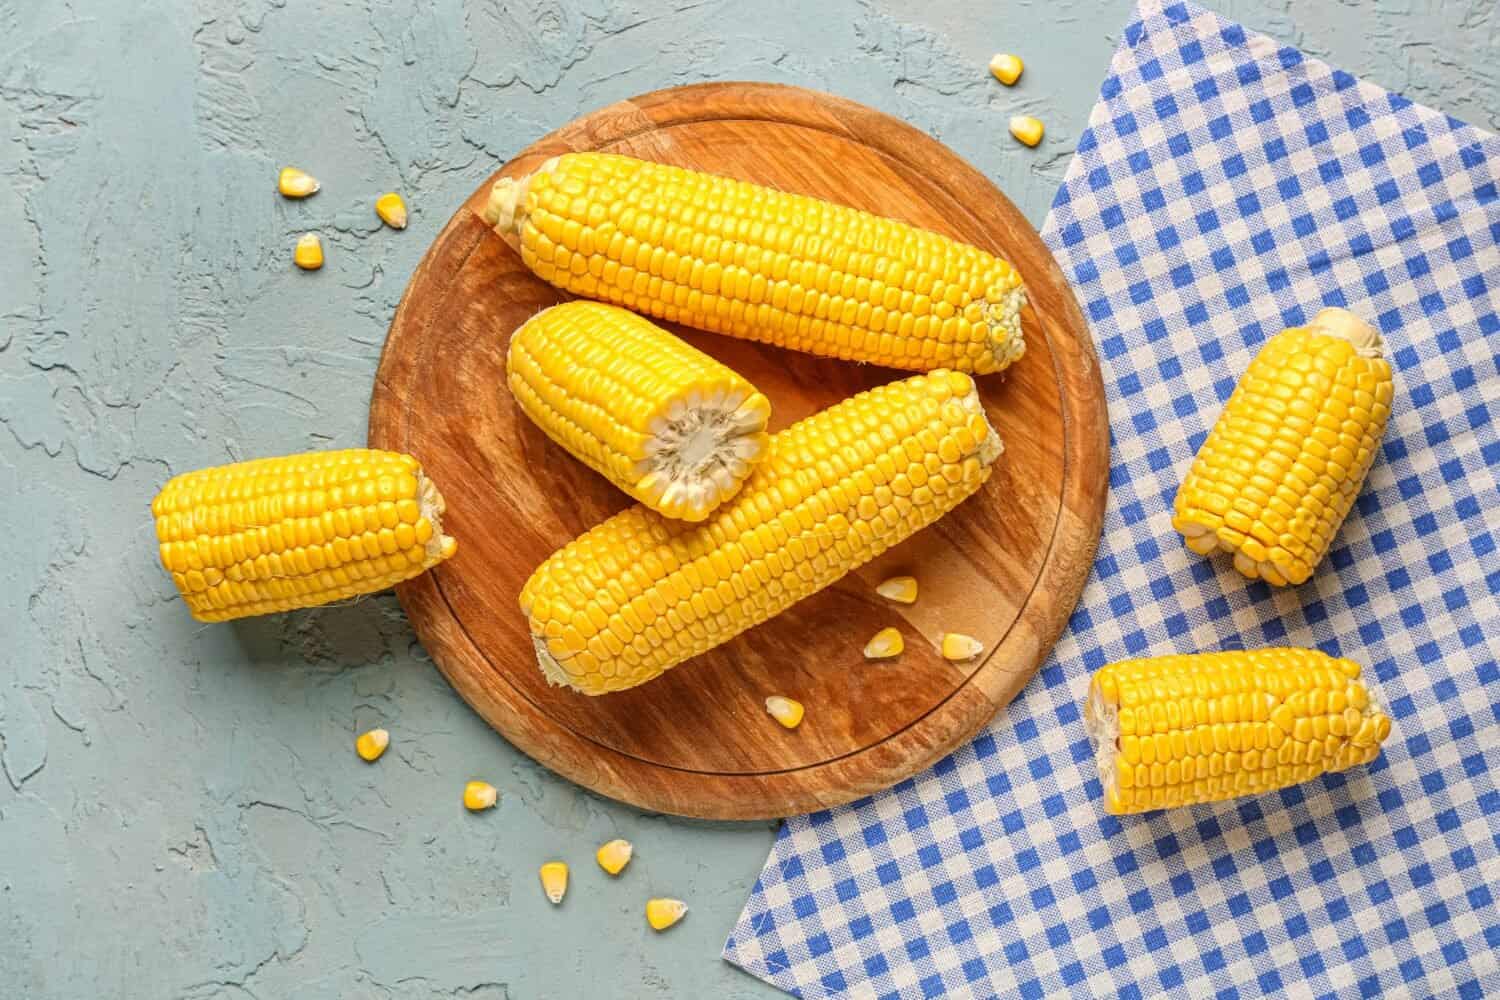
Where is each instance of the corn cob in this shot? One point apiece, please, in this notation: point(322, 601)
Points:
point(1179, 730)
point(663, 421)
point(748, 261)
point(640, 593)
point(294, 532)
point(1286, 458)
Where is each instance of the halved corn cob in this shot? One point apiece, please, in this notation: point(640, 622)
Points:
point(749, 261)
point(640, 593)
point(1179, 730)
point(280, 533)
point(660, 419)
point(1285, 460)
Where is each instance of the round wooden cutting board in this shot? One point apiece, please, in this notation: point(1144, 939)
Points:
point(1007, 566)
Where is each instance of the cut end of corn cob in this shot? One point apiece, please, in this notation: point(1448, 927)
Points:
point(785, 711)
point(614, 856)
point(1027, 129)
point(1285, 460)
point(641, 593)
point(480, 795)
point(554, 875)
point(1180, 730)
point(747, 261)
point(309, 252)
point(372, 744)
point(901, 589)
point(1006, 68)
point(663, 913)
point(956, 646)
point(391, 209)
point(665, 422)
point(294, 183)
point(885, 643)
point(294, 532)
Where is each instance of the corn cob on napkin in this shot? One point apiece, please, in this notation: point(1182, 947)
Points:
point(1227, 187)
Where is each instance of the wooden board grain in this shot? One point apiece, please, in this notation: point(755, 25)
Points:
point(1007, 566)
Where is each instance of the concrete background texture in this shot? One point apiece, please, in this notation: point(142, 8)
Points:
point(181, 811)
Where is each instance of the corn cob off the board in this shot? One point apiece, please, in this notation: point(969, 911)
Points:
point(1285, 460)
point(280, 533)
point(748, 261)
point(640, 593)
point(660, 419)
point(1179, 730)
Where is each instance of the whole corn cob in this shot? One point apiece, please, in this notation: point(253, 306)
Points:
point(1179, 730)
point(640, 593)
point(660, 419)
point(281, 533)
point(1286, 458)
point(749, 261)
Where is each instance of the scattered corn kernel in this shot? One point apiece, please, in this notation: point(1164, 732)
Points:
point(614, 856)
point(480, 795)
point(554, 880)
point(901, 589)
point(391, 209)
point(1027, 129)
point(294, 183)
point(663, 913)
point(1006, 68)
point(309, 252)
point(785, 711)
point(887, 642)
point(372, 744)
point(957, 646)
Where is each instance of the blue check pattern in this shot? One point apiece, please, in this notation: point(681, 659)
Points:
point(1227, 187)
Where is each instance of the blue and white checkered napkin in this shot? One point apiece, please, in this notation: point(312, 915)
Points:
point(1226, 188)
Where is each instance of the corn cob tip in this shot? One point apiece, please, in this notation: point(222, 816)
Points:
point(506, 208)
point(1337, 322)
point(1232, 723)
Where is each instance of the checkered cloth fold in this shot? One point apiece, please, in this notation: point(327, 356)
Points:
point(1227, 187)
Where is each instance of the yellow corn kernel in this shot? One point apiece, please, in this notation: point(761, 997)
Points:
point(663, 421)
point(800, 523)
point(480, 795)
point(746, 261)
point(1027, 129)
point(309, 252)
point(886, 643)
point(1007, 69)
point(391, 209)
point(276, 534)
point(614, 856)
point(901, 589)
point(785, 711)
point(957, 646)
point(554, 875)
point(294, 183)
point(1284, 462)
point(663, 913)
point(1226, 724)
point(372, 744)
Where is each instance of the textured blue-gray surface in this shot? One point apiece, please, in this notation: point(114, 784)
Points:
point(181, 814)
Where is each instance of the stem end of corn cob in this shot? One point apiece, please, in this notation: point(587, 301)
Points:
point(1341, 323)
point(506, 209)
